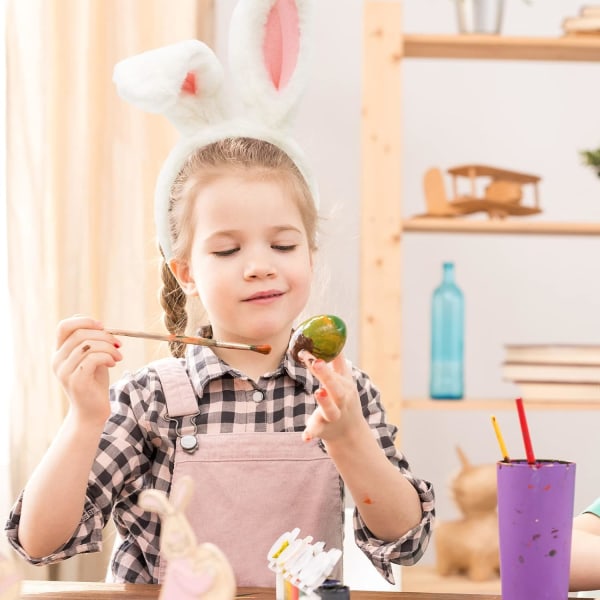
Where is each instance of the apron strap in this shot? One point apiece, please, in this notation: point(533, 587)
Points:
point(181, 401)
point(177, 387)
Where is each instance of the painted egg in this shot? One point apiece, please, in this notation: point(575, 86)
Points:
point(323, 336)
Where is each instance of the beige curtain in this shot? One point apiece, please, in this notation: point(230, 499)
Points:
point(81, 170)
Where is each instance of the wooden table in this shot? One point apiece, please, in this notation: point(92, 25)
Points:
point(73, 590)
point(70, 590)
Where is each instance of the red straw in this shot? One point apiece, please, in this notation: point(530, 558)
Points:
point(525, 432)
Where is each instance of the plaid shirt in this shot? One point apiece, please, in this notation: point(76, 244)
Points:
point(137, 451)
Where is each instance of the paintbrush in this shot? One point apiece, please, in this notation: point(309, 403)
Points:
point(186, 339)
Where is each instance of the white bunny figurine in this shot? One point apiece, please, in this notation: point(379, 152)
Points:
point(10, 579)
point(193, 570)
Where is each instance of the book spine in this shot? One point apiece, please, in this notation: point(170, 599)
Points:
point(580, 24)
point(590, 11)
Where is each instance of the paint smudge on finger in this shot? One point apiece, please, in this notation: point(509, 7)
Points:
point(321, 393)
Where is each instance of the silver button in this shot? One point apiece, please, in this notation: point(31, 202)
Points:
point(257, 396)
point(189, 443)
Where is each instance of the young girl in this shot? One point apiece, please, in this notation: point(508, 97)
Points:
point(270, 442)
point(585, 550)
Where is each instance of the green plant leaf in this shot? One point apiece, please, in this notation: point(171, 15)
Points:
point(591, 158)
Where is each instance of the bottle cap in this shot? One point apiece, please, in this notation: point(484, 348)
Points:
point(331, 589)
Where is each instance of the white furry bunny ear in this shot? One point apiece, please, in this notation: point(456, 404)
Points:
point(268, 55)
point(182, 81)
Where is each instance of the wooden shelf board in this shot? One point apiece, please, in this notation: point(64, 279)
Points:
point(500, 47)
point(509, 226)
point(494, 404)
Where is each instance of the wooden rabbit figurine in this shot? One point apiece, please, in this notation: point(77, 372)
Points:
point(10, 579)
point(469, 545)
point(193, 570)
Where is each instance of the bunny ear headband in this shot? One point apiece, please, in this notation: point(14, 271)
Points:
point(269, 59)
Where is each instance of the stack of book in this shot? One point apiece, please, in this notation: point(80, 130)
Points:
point(587, 23)
point(554, 372)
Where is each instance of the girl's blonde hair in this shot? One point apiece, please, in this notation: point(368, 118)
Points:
point(231, 155)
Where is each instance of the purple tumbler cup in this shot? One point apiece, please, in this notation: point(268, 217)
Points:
point(535, 520)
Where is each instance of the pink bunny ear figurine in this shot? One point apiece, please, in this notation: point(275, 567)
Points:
point(10, 579)
point(193, 570)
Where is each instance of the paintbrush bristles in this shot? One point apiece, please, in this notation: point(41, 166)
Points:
point(185, 339)
point(262, 348)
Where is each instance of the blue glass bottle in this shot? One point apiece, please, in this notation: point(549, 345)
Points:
point(447, 339)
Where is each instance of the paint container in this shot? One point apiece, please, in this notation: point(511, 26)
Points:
point(331, 589)
point(535, 519)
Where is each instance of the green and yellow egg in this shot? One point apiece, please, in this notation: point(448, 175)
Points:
point(323, 336)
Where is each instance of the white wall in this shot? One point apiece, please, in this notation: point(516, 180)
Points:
point(526, 116)
point(533, 117)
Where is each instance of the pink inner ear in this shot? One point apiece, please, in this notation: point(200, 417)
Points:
point(189, 85)
point(282, 42)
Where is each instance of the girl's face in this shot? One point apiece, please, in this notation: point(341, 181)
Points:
point(250, 261)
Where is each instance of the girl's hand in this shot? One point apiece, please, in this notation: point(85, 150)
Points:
point(84, 353)
point(339, 411)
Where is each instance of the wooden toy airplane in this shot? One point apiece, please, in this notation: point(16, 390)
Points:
point(502, 196)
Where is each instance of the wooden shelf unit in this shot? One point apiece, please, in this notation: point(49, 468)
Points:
point(500, 47)
point(385, 46)
point(493, 404)
point(508, 226)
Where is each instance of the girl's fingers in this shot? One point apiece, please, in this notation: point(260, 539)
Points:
point(94, 348)
point(95, 352)
point(89, 364)
point(326, 373)
point(330, 380)
point(335, 409)
point(90, 353)
point(330, 410)
point(314, 426)
point(341, 365)
point(68, 327)
point(326, 412)
point(77, 332)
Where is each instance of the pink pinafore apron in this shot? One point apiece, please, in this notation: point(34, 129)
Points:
point(250, 487)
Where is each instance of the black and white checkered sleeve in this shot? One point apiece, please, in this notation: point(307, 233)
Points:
point(410, 547)
point(119, 466)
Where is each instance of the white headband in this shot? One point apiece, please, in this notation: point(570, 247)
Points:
point(268, 56)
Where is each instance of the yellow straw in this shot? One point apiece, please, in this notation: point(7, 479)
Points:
point(500, 440)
